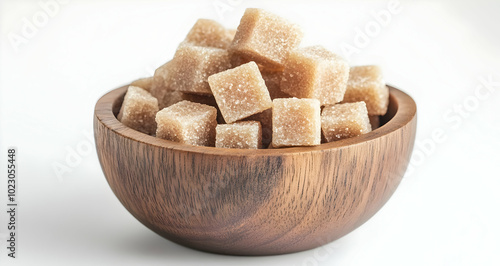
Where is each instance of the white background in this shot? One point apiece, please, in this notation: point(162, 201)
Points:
point(445, 212)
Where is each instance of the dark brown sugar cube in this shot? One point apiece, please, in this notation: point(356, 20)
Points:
point(240, 92)
point(209, 33)
point(187, 122)
point(239, 135)
point(296, 122)
point(144, 83)
point(344, 120)
point(138, 110)
point(314, 72)
point(265, 38)
point(367, 84)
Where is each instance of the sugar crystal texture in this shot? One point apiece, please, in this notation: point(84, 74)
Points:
point(240, 92)
point(367, 84)
point(296, 122)
point(138, 110)
point(314, 72)
point(266, 121)
point(204, 99)
point(160, 80)
point(193, 65)
point(160, 88)
point(189, 69)
point(239, 135)
point(144, 83)
point(209, 33)
point(187, 122)
point(344, 120)
point(265, 38)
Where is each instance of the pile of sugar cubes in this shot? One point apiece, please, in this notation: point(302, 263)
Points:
point(253, 88)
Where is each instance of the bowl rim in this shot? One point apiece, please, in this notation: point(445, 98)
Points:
point(405, 111)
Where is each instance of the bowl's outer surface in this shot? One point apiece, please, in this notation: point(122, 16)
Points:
point(256, 202)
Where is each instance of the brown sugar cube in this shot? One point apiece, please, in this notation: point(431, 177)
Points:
point(144, 83)
point(160, 88)
point(187, 122)
point(266, 121)
point(374, 121)
point(273, 79)
point(367, 84)
point(189, 69)
point(265, 38)
point(296, 122)
point(204, 99)
point(230, 33)
point(314, 72)
point(239, 135)
point(344, 120)
point(159, 80)
point(138, 110)
point(240, 92)
point(169, 98)
point(192, 65)
point(209, 33)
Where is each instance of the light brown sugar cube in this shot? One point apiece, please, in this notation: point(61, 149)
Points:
point(187, 122)
point(266, 121)
point(240, 92)
point(344, 120)
point(239, 135)
point(189, 70)
point(296, 122)
point(209, 33)
point(230, 33)
point(314, 72)
point(160, 88)
point(159, 80)
point(265, 38)
point(367, 84)
point(192, 65)
point(144, 83)
point(138, 110)
point(204, 99)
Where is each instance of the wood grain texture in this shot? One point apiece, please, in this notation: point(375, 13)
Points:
point(254, 202)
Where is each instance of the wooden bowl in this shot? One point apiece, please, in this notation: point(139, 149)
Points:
point(254, 202)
